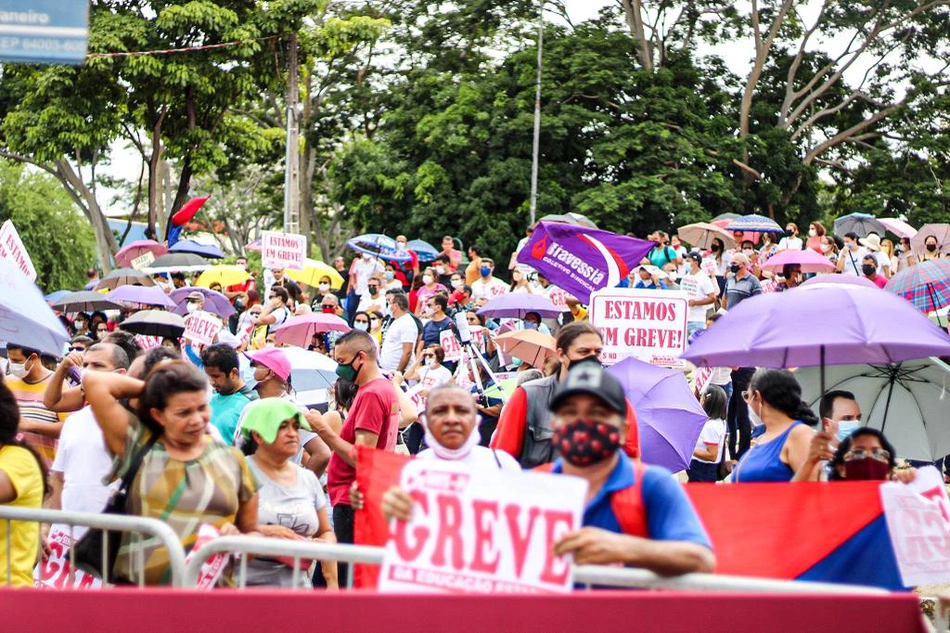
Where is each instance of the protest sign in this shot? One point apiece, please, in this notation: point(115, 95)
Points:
point(143, 261)
point(211, 569)
point(649, 325)
point(450, 345)
point(201, 327)
point(13, 250)
point(53, 571)
point(482, 531)
point(918, 520)
point(283, 250)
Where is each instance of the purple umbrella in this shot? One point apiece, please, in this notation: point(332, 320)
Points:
point(516, 305)
point(669, 418)
point(845, 280)
point(299, 330)
point(143, 295)
point(214, 301)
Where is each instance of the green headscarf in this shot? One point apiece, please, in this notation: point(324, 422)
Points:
point(266, 415)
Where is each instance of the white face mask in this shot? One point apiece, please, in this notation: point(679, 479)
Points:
point(191, 307)
point(440, 270)
point(754, 417)
point(456, 283)
point(812, 232)
point(17, 369)
point(361, 326)
point(747, 252)
point(826, 248)
point(324, 288)
point(427, 279)
point(428, 362)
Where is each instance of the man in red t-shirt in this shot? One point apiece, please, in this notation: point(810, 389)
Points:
point(373, 420)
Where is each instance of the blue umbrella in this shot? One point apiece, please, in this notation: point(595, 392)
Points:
point(191, 246)
point(860, 223)
point(669, 418)
point(426, 252)
point(379, 245)
point(53, 297)
point(754, 224)
point(25, 318)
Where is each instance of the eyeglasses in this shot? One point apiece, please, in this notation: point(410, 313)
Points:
point(747, 395)
point(879, 454)
point(77, 349)
point(362, 322)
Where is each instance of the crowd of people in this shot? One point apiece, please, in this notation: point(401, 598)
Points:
point(214, 433)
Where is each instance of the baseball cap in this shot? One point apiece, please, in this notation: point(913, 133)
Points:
point(590, 378)
point(195, 296)
point(265, 416)
point(695, 256)
point(273, 359)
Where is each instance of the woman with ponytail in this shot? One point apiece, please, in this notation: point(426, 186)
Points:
point(775, 401)
point(23, 484)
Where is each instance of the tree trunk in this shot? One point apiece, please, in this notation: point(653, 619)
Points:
point(86, 200)
point(632, 10)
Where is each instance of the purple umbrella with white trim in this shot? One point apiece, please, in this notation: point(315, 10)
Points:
point(215, 302)
point(142, 295)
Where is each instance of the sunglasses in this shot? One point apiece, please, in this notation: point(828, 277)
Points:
point(77, 349)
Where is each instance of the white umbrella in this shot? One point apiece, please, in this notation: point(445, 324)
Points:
point(909, 402)
point(25, 318)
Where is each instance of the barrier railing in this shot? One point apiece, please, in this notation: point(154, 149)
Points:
point(112, 522)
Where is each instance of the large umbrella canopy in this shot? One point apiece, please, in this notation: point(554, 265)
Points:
point(85, 301)
point(255, 246)
point(310, 371)
point(669, 418)
point(175, 262)
point(215, 302)
point(313, 271)
point(860, 223)
point(754, 224)
point(844, 280)
point(819, 325)
point(809, 260)
point(530, 346)
point(198, 248)
point(515, 305)
point(379, 245)
point(224, 275)
point(939, 231)
point(25, 318)
point(142, 295)
point(726, 216)
point(425, 251)
point(136, 249)
point(299, 330)
point(577, 219)
point(124, 277)
point(926, 285)
point(53, 297)
point(906, 401)
point(701, 234)
point(155, 323)
point(898, 227)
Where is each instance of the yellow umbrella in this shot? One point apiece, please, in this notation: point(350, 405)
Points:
point(224, 275)
point(313, 271)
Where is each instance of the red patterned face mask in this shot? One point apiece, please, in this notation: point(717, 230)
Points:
point(584, 442)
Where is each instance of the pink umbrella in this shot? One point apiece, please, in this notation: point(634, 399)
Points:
point(299, 330)
point(898, 227)
point(810, 261)
point(254, 246)
point(136, 249)
point(847, 280)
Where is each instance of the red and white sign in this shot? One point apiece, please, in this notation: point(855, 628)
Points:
point(283, 250)
point(52, 572)
point(450, 345)
point(647, 324)
point(211, 568)
point(13, 250)
point(479, 530)
point(558, 296)
point(201, 327)
point(918, 520)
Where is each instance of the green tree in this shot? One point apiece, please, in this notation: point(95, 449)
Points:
point(59, 242)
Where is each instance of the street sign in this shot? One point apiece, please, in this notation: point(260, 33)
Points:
point(44, 31)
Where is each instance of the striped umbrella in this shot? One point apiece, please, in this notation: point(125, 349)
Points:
point(754, 224)
point(926, 285)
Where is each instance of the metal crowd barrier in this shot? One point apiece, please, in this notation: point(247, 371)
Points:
point(114, 522)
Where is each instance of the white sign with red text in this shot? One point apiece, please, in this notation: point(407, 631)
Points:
point(283, 250)
point(211, 569)
point(450, 345)
point(201, 327)
point(52, 572)
point(649, 325)
point(13, 250)
point(476, 530)
point(918, 520)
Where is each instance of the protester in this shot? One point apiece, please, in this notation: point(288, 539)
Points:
point(281, 280)
point(906, 257)
point(816, 231)
point(882, 260)
point(741, 284)
point(376, 326)
point(231, 394)
point(829, 248)
point(430, 286)
point(774, 401)
point(867, 455)
point(487, 286)
point(869, 270)
point(648, 278)
point(931, 249)
point(890, 255)
point(399, 342)
point(722, 260)
point(373, 299)
point(276, 312)
point(701, 291)
point(704, 466)
point(849, 260)
point(28, 379)
point(292, 504)
point(532, 321)
point(472, 273)
point(663, 254)
point(791, 241)
point(202, 480)
point(438, 320)
point(428, 370)
point(361, 321)
point(23, 478)
point(791, 277)
point(524, 427)
point(453, 255)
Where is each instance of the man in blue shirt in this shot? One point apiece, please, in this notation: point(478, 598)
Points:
point(231, 394)
point(589, 428)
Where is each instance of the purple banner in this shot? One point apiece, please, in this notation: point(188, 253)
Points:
point(581, 260)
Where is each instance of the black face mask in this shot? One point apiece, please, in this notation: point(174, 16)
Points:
point(735, 268)
point(868, 269)
point(931, 247)
point(714, 248)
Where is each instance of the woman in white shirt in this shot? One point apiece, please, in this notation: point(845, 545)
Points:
point(704, 467)
point(428, 369)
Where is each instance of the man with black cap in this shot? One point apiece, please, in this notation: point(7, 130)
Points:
point(634, 514)
point(701, 290)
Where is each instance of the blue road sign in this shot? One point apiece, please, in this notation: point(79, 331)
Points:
point(45, 31)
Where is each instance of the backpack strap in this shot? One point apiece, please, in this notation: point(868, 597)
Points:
point(627, 505)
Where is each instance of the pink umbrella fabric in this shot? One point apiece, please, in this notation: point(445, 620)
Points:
point(142, 295)
point(810, 261)
point(898, 227)
point(136, 249)
point(299, 330)
point(845, 280)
